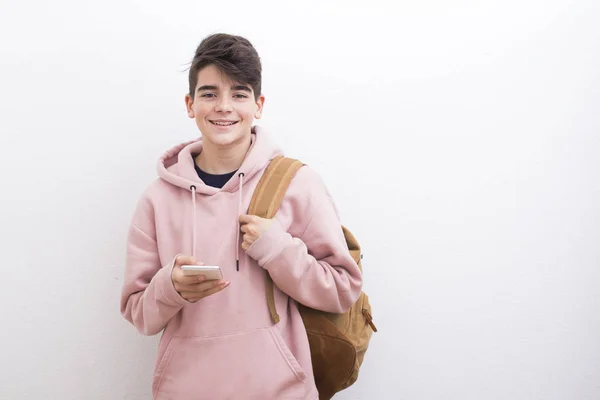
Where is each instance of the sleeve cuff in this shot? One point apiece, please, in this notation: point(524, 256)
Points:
point(165, 285)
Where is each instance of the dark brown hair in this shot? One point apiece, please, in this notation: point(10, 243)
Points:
point(233, 55)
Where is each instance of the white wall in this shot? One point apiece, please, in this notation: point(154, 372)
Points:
point(461, 140)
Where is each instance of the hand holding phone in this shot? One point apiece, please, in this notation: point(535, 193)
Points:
point(197, 281)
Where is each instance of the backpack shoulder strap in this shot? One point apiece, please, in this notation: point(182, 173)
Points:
point(271, 188)
point(265, 202)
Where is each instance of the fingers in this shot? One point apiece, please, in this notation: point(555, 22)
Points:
point(193, 287)
point(249, 229)
point(198, 287)
point(246, 244)
point(209, 288)
point(178, 275)
point(183, 282)
point(249, 232)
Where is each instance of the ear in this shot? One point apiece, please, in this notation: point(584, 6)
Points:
point(259, 106)
point(189, 105)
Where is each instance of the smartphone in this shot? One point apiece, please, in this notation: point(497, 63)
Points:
point(212, 272)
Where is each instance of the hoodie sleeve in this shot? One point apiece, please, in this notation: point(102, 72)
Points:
point(315, 269)
point(148, 298)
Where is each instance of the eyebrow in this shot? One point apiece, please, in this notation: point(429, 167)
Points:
point(236, 87)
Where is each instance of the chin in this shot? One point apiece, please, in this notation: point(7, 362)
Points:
point(224, 139)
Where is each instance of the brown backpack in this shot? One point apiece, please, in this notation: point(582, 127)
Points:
point(338, 342)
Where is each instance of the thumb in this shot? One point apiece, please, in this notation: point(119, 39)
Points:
point(184, 260)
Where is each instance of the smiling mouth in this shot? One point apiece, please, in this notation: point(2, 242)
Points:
point(224, 123)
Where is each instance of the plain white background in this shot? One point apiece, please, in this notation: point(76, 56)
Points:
point(460, 139)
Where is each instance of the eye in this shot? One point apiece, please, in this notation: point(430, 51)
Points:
point(240, 96)
point(208, 95)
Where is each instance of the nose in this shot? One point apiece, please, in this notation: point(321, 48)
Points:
point(224, 104)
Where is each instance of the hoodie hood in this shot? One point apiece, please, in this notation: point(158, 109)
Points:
point(176, 165)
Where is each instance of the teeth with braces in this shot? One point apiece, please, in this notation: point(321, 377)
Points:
point(223, 123)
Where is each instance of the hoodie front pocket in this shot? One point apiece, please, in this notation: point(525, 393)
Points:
point(287, 354)
point(160, 367)
point(254, 364)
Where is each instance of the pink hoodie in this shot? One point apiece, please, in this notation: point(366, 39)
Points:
point(225, 346)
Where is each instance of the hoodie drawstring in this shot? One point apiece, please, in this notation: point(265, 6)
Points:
point(193, 188)
point(237, 235)
point(237, 239)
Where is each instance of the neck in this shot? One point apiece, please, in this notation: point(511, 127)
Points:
point(219, 160)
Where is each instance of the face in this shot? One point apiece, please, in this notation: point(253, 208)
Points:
point(223, 110)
